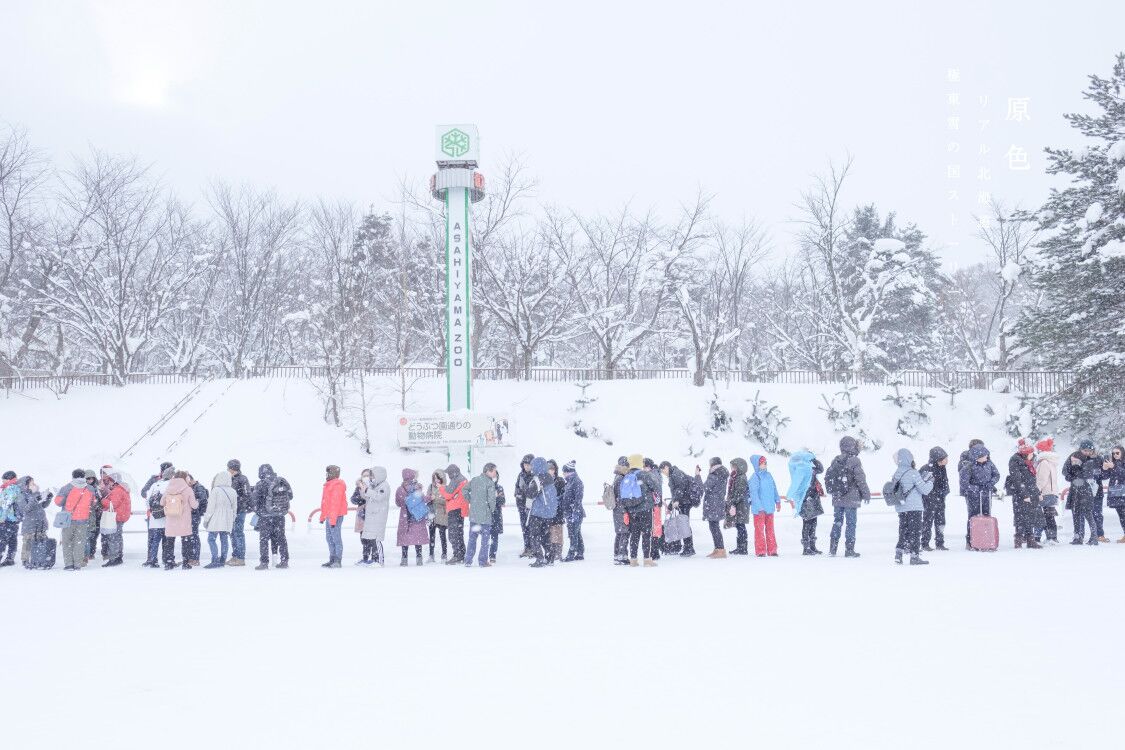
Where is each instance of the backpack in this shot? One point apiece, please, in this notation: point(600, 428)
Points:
point(609, 500)
point(9, 511)
point(631, 486)
point(277, 501)
point(155, 508)
point(416, 505)
point(893, 493)
point(173, 505)
point(695, 493)
point(836, 480)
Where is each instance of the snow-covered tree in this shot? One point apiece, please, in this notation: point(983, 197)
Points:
point(1078, 322)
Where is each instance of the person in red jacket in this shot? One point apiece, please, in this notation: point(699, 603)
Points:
point(456, 509)
point(76, 499)
point(333, 510)
point(116, 499)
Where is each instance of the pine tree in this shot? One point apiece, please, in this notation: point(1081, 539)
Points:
point(1079, 323)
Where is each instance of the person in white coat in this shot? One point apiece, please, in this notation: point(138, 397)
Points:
point(374, 496)
point(1048, 479)
point(219, 518)
point(154, 516)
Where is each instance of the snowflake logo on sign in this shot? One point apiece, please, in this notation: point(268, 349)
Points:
point(455, 143)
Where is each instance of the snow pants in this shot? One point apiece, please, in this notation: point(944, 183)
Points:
point(933, 519)
point(909, 529)
point(1083, 514)
point(640, 534)
point(539, 533)
point(741, 539)
point(457, 534)
point(765, 543)
point(272, 531)
point(808, 533)
point(73, 544)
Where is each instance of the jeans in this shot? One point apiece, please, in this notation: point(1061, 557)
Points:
point(238, 537)
point(9, 532)
point(272, 530)
point(808, 533)
point(155, 539)
point(577, 546)
point(839, 517)
point(335, 539)
point(765, 543)
point(716, 533)
point(909, 527)
point(437, 531)
point(933, 517)
point(484, 531)
point(640, 532)
point(73, 544)
point(979, 504)
point(457, 534)
point(223, 536)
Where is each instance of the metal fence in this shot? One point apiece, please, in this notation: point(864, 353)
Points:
point(1026, 381)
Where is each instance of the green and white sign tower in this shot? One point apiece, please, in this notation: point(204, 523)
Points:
point(458, 186)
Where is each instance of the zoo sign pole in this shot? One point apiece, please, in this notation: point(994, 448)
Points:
point(458, 186)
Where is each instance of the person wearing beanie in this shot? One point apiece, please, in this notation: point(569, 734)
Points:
point(10, 492)
point(1024, 491)
point(244, 505)
point(933, 502)
point(157, 477)
point(544, 506)
point(333, 511)
point(635, 492)
point(1084, 472)
point(1049, 484)
point(620, 528)
point(481, 496)
point(573, 512)
point(715, 504)
point(977, 478)
point(523, 480)
point(964, 460)
point(557, 525)
point(1114, 470)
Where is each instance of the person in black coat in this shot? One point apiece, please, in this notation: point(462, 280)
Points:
point(811, 509)
point(244, 505)
point(523, 481)
point(201, 495)
point(271, 498)
point(1084, 472)
point(651, 479)
point(497, 521)
point(1024, 491)
point(715, 504)
point(557, 523)
point(933, 503)
point(681, 488)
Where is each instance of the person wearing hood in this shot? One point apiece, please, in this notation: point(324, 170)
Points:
point(9, 518)
point(573, 512)
point(481, 496)
point(76, 499)
point(333, 511)
point(715, 504)
point(218, 520)
point(245, 495)
point(914, 485)
point(556, 527)
point(439, 524)
point(497, 521)
point(456, 509)
point(178, 501)
point(978, 478)
point(93, 527)
point(1048, 481)
point(638, 499)
point(155, 519)
point(1024, 491)
point(1113, 470)
point(523, 481)
point(411, 531)
point(544, 506)
point(685, 494)
point(738, 497)
point(33, 517)
point(805, 493)
point(195, 547)
point(1084, 472)
point(765, 500)
point(272, 497)
point(846, 482)
point(372, 498)
point(115, 500)
point(620, 528)
point(933, 502)
point(965, 459)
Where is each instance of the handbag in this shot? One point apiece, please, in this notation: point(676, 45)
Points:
point(677, 528)
point(108, 524)
point(556, 535)
point(62, 519)
point(254, 521)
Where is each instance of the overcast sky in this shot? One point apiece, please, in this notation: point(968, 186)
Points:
point(610, 103)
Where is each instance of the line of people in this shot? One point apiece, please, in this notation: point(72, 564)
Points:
point(550, 505)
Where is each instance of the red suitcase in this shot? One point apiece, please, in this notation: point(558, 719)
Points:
point(984, 533)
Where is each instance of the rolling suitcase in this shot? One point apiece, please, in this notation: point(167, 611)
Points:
point(984, 533)
point(43, 553)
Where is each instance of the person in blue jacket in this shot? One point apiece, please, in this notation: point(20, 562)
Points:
point(978, 478)
point(764, 500)
point(573, 512)
point(915, 485)
point(544, 506)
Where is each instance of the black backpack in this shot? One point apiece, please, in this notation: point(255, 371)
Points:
point(837, 480)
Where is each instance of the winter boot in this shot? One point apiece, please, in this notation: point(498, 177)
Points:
point(1101, 538)
point(538, 564)
point(283, 565)
point(917, 560)
point(807, 551)
point(1077, 540)
point(1093, 541)
point(927, 548)
point(1032, 544)
point(570, 557)
point(329, 563)
point(633, 562)
point(940, 547)
point(214, 564)
point(650, 563)
point(718, 554)
point(432, 557)
point(898, 557)
point(832, 547)
point(335, 564)
point(815, 551)
point(236, 562)
point(169, 566)
point(404, 562)
point(850, 552)
point(418, 560)
point(262, 566)
point(186, 565)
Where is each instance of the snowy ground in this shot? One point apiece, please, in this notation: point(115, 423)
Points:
point(976, 650)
